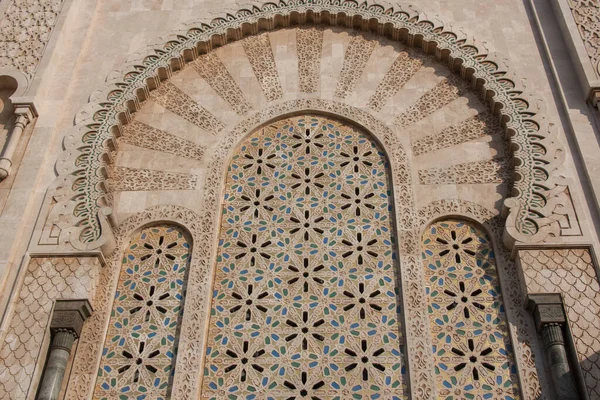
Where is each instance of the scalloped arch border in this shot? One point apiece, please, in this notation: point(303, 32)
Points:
point(81, 193)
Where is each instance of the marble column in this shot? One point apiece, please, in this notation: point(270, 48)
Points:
point(67, 322)
point(550, 320)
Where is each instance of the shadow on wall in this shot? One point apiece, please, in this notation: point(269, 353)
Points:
point(590, 369)
point(8, 86)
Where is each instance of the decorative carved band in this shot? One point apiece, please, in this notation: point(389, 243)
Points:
point(547, 309)
point(70, 315)
point(533, 212)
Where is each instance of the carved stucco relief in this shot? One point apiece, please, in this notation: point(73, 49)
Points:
point(355, 59)
point(587, 17)
point(479, 126)
point(23, 40)
point(409, 222)
point(540, 209)
point(260, 54)
point(447, 90)
point(310, 46)
point(142, 135)
point(132, 179)
point(493, 171)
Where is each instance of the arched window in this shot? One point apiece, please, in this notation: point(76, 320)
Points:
point(305, 298)
point(471, 344)
point(141, 344)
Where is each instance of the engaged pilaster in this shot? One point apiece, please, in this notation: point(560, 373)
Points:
point(67, 322)
point(550, 320)
point(24, 113)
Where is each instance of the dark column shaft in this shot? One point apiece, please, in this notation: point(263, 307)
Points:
point(60, 351)
point(559, 364)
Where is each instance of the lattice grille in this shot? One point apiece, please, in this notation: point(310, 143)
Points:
point(471, 344)
point(305, 301)
point(141, 344)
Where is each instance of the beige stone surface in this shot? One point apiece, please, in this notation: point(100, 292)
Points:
point(455, 150)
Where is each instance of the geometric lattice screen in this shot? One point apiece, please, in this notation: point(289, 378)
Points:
point(305, 301)
point(141, 343)
point(471, 344)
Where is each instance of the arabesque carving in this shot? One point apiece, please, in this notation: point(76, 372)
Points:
point(139, 134)
point(443, 93)
point(23, 39)
point(409, 223)
point(355, 60)
point(260, 54)
point(481, 125)
point(211, 68)
point(309, 43)
point(79, 192)
point(132, 179)
point(587, 17)
point(403, 68)
point(497, 170)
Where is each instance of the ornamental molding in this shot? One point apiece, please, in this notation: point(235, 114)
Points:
point(25, 33)
point(540, 206)
point(409, 225)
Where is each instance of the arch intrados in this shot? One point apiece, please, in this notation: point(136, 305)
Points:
point(8, 84)
point(424, 225)
point(126, 235)
point(494, 85)
point(311, 111)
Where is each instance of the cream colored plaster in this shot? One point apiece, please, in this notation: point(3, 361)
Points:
point(98, 37)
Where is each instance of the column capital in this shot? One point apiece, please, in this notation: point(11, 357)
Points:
point(69, 315)
point(547, 308)
point(24, 107)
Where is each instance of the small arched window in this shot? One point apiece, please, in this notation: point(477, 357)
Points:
point(139, 352)
point(471, 345)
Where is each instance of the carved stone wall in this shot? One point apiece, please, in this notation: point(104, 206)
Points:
point(45, 280)
point(572, 273)
point(587, 17)
point(191, 110)
point(25, 29)
point(541, 209)
point(409, 223)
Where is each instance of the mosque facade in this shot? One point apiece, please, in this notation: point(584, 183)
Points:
point(305, 199)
